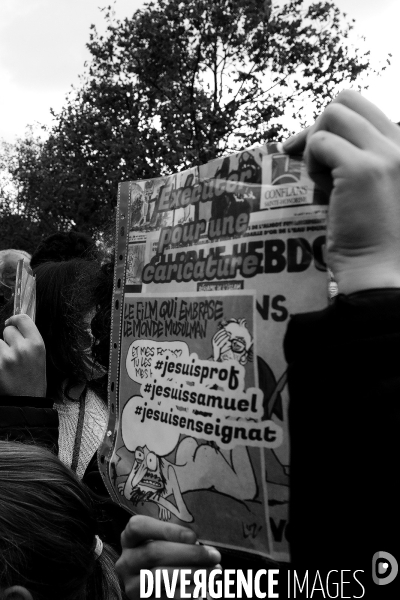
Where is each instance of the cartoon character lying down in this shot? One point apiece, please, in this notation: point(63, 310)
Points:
point(147, 477)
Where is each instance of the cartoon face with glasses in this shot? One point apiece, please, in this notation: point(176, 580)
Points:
point(233, 341)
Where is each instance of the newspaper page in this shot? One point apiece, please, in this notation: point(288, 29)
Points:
point(211, 262)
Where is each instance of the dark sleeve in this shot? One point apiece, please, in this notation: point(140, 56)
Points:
point(344, 419)
point(30, 420)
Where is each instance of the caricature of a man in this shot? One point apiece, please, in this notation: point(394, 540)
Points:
point(233, 341)
point(152, 478)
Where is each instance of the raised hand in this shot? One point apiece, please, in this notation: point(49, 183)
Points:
point(221, 343)
point(22, 359)
point(353, 152)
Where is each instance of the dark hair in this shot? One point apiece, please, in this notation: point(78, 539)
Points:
point(61, 317)
point(63, 246)
point(102, 293)
point(48, 528)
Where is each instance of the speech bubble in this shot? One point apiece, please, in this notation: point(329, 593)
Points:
point(159, 437)
point(140, 354)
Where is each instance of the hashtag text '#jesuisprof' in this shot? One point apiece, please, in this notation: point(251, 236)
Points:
point(202, 371)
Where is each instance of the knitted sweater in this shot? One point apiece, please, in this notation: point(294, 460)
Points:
point(94, 426)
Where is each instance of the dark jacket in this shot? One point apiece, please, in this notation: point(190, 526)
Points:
point(29, 419)
point(344, 383)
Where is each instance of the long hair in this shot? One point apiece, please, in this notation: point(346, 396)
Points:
point(48, 528)
point(61, 317)
point(101, 294)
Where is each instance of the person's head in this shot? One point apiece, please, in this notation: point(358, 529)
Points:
point(64, 307)
point(48, 531)
point(64, 246)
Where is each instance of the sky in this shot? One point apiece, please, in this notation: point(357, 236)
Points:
point(43, 50)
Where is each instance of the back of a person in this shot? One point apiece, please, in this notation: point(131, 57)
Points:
point(48, 531)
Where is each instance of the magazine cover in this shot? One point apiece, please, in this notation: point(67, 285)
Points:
point(210, 264)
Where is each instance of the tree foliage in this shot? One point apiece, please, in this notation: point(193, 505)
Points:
point(178, 84)
point(17, 227)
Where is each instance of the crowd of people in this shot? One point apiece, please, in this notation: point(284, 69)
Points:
point(60, 534)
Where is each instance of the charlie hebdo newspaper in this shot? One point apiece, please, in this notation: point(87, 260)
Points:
point(210, 264)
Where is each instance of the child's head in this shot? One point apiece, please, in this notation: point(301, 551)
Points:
point(48, 531)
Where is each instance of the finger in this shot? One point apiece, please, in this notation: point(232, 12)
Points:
point(357, 103)
point(4, 348)
point(12, 336)
point(225, 338)
point(221, 335)
point(160, 553)
point(348, 124)
point(25, 326)
point(141, 529)
point(296, 143)
point(226, 346)
point(328, 150)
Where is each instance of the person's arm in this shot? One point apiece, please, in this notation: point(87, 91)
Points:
point(344, 366)
point(344, 421)
point(151, 544)
point(22, 359)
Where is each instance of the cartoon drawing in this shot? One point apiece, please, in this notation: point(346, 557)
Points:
point(152, 480)
point(161, 465)
point(233, 341)
point(156, 462)
point(197, 466)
